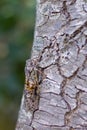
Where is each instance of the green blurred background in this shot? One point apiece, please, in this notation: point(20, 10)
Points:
point(17, 19)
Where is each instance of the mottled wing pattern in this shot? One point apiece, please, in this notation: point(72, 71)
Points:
point(30, 101)
point(31, 86)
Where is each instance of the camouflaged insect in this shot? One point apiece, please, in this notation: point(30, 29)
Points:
point(31, 90)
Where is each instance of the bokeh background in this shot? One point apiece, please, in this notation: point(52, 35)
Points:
point(17, 19)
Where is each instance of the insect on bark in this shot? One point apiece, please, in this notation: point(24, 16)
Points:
point(31, 90)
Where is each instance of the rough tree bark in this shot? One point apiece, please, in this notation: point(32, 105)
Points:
point(60, 44)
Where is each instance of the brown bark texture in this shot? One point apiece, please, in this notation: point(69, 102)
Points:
point(59, 57)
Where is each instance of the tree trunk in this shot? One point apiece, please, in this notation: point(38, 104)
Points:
point(59, 58)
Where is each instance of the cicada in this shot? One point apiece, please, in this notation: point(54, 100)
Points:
point(31, 90)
